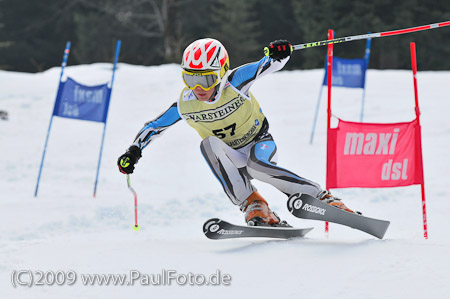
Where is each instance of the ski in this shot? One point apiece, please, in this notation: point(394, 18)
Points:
point(307, 207)
point(218, 229)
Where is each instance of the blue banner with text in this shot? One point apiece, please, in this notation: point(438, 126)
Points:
point(348, 72)
point(78, 101)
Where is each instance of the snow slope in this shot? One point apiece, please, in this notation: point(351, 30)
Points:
point(65, 228)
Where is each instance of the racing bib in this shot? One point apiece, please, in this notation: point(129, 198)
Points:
point(234, 118)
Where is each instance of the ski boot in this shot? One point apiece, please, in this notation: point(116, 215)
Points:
point(258, 213)
point(328, 198)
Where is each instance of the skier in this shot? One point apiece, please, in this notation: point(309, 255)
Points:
point(236, 142)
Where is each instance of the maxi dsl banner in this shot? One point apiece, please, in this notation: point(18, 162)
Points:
point(374, 155)
point(347, 72)
point(82, 102)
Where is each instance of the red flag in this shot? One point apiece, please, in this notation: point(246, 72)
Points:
point(374, 155)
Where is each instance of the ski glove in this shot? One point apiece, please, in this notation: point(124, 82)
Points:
point(126, 161)
point(278, 49)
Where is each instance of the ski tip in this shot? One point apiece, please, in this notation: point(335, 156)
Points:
point(211, 225)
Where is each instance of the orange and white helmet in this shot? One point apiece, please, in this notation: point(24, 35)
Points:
point(202, 57)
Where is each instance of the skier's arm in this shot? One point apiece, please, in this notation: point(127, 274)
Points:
point(149, 132)
point(156, 127)
point(244, 76)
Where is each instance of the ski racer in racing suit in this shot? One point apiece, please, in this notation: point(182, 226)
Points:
point(236, 142)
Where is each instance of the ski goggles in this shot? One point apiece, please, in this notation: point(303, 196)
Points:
point(206, 80)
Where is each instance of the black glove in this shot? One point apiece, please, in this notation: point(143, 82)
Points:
point(278, 49)
point(126, 161)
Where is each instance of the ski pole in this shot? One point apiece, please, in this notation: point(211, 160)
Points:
point(136, 227)
point(370, 35)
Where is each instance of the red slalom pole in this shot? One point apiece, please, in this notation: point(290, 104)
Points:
point(329, 76)
point(371, 35)
point(416, 99)
point(329, 85)
point(414, 70)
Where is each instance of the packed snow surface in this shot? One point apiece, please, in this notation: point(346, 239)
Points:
point(65, 229)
